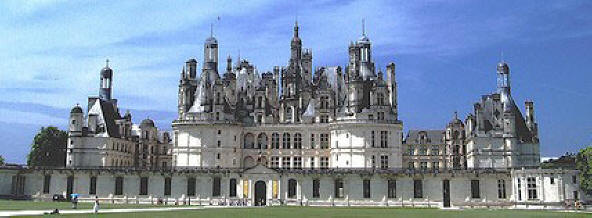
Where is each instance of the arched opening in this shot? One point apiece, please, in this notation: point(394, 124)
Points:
point(249, 141)
point(260, 193)
point(262, 141)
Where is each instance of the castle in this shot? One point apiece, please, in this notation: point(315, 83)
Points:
point(304, 135)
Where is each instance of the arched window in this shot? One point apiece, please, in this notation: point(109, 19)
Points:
point(292, 188)
point(297, 141)
point(286, 141)
point(262, 141)
point(249, 141)
point(275, 140)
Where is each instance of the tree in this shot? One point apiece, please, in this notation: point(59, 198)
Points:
point(584, 165)
point(48, 148)
point(1, 160)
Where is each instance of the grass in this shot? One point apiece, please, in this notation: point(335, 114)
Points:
point(343, 212)
point(32, 205)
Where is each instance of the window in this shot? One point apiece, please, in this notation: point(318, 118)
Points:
point(286, 163)
point(575, 195)
point(291, 188)
point(288, 114)
point(118, 185)
point(552, 180)
point(519, 189)
point(219, 143)
point(324, 162)
point(366, 188)
point(339, 188)
point(297, 141)
point(501, 189)
point(372, 139)
point(410, 165)
point(417, 188)
point(219, 132)
point(423, 165)
point(312, 141)
point(324, 140)
point(384, 139)
point(380, 115)
point(216, 187)
point(423, 150)
point(275, 162)
point(297, 162)
point(286, 141)
point(312, 162)
point(383, 161)
point(324, 119)
point(143, 185)
point(532, 188)
point(435, 165)
point(191, 186)
point(475, 192)
point(46, 183)
point(167, 186)
point(410, 150)
point(574, 179)
point(392, 188)
point(275, 140)
point(379, 99)
point(232, 188)
point(435, 150)
point(93, 186)
point(316, 184)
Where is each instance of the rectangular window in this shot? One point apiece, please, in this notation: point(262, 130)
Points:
point(275, 162)
point(312, 141)
point(46, 183)
point(552, 180)
point(372, 139)
point(286, 163)
point(574, 179)
point(501, 189)
point(324, 162)
point(143, 185)
point(216, 187)
point(575, 195)
point(93, 186)
point(384, 139)
point(316, 185)
point(417, 188)
point(423, 165)
point(410, 165)
point(410, 151)
point(291, 188)
point(531, 188)
point(167, 186)
point(232, 188)
point(366, 188)
point(475, 192)
point(324, 140)
point(435, 165)
point(384, 162)
point(312, 162)
point(191, 186)
point(118, 185)
point(297, 162)
point(339, 188)
point(435, 150)
point(380, 115)
point(392, 188)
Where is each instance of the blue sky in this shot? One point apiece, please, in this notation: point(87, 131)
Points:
point(446, 52)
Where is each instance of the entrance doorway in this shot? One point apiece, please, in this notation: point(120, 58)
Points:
point(446, 192)
point(260, 193)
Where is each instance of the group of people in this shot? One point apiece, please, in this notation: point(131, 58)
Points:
point(74, 199)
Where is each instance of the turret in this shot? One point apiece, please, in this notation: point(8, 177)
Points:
point(229, 64)
point(211, 54)
point(106, 82)
point(76, 121)
point(503, 78)
point(392, 86)
point(295, 46)
point(191, 68)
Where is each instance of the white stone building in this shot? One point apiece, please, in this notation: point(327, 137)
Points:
point(298, 137)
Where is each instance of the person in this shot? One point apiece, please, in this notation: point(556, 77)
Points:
point(96, 207)
point(74, 201)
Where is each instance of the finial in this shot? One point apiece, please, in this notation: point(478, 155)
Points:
point(502, 56)
point(455, 115)
point(211, 29)
point(107, 62)
point(363, 27)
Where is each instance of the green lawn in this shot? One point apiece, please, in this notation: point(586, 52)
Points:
point(32, 205)
point(301, 212)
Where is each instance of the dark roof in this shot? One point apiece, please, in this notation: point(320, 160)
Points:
point(432, 136)
point(110, 115)
point(76, 109)
point(147, 123)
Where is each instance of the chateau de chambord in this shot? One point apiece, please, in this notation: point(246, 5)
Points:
point(300, 135)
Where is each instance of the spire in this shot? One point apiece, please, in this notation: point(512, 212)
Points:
point(211, 29)
point(455, 115)
point(363, 27)
point(107, 63)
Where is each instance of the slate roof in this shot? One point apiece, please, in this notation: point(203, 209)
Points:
point(433, 136)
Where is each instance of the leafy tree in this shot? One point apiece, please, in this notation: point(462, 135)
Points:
point(48, 148)
point(1, 160)
point(584, 165)
point(567, 161)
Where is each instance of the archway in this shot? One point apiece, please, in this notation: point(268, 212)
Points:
point(260, 193)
